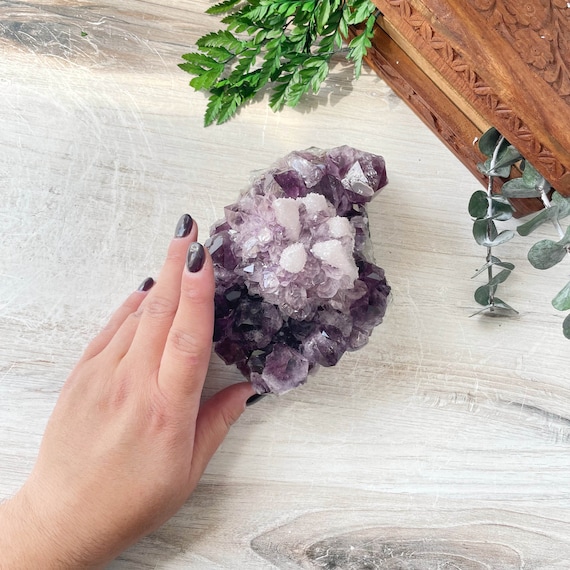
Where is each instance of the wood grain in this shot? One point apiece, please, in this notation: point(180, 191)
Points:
point(457, 125)
point(442, 444)
point(505, 64)
point(469, 540)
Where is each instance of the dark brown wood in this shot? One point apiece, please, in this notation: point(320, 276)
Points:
point(500, 62)
point(458, 131)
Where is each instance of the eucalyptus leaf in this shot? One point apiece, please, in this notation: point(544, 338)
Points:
point(542, 217)
point(485, 168)
point(500, 304)
point(566, 327)
point(484, 232)
point(503, 237)
point(483, 295)
point(563, 204)
point(501, 277)
point(565, 241)
point(562, 299)
point(531, 177)
point(501, 211)
point(517, 188)
point(501, 199)
point(485, 308)
point(546, 254)
point(497, 304)
point(507, 156)
point(478, 204)
point(497, 262)
point(489, 140)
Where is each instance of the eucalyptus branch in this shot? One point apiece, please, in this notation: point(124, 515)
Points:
point(545, 253)
point(486, 209)
point(544, 187)
point(489, 217)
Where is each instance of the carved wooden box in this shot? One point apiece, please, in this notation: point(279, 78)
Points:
point(466, 65)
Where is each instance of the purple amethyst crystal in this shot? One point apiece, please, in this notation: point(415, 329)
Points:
point(295, 282)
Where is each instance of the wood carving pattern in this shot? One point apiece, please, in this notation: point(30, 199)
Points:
point(540, 31)
point(505, 118)
point(433, 110)
point(425, 110)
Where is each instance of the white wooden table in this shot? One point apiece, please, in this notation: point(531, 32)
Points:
point(442, 444)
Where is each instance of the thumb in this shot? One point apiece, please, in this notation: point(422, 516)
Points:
point(213, 423)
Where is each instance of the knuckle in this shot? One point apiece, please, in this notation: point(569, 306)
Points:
point(229, 417)
point(187, 344)
point(200, 296)
point(160, 308)
point(175, 254)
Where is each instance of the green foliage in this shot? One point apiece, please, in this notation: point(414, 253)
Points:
point(478, 205)
point(282, 45)
point(481, 208)
point(483, 294)
point(545, 254)
point(486, 234)
point(530, 185)
point(501, 166)
point(543, 216)
point(562, 300)
point(562, 203)
point(487, 208)
point(518, 188)
point(488, 141)
point(566, 327)
point(494, 261)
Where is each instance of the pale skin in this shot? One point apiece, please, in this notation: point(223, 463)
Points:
point(128, 440)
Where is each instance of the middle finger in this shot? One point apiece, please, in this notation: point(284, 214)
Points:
point(157, 311)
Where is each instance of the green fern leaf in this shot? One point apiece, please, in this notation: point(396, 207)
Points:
point(359, 45)
point(282, 45)
point(212, 109)
point(207, 79)
point(223, 38)
point(279, 97)
point(222, 7)
point(228, 107)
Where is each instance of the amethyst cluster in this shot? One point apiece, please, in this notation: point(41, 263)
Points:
point(295, 284)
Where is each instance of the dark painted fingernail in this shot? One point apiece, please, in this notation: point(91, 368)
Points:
point(254, 398)
point(146, 285)
point(184, 226)
point(196, 257)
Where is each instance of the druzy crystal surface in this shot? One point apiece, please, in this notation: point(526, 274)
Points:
point(296, 285)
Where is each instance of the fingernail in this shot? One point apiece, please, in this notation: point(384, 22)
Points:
point(195, 257)
point(184, 226)
point(254, 398)
point(146, 285)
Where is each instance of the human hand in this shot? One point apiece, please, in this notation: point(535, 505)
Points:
point(127, 441)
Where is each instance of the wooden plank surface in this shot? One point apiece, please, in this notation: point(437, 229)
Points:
point(442, 444)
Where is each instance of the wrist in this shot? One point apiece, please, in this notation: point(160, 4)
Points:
point(29, 539)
